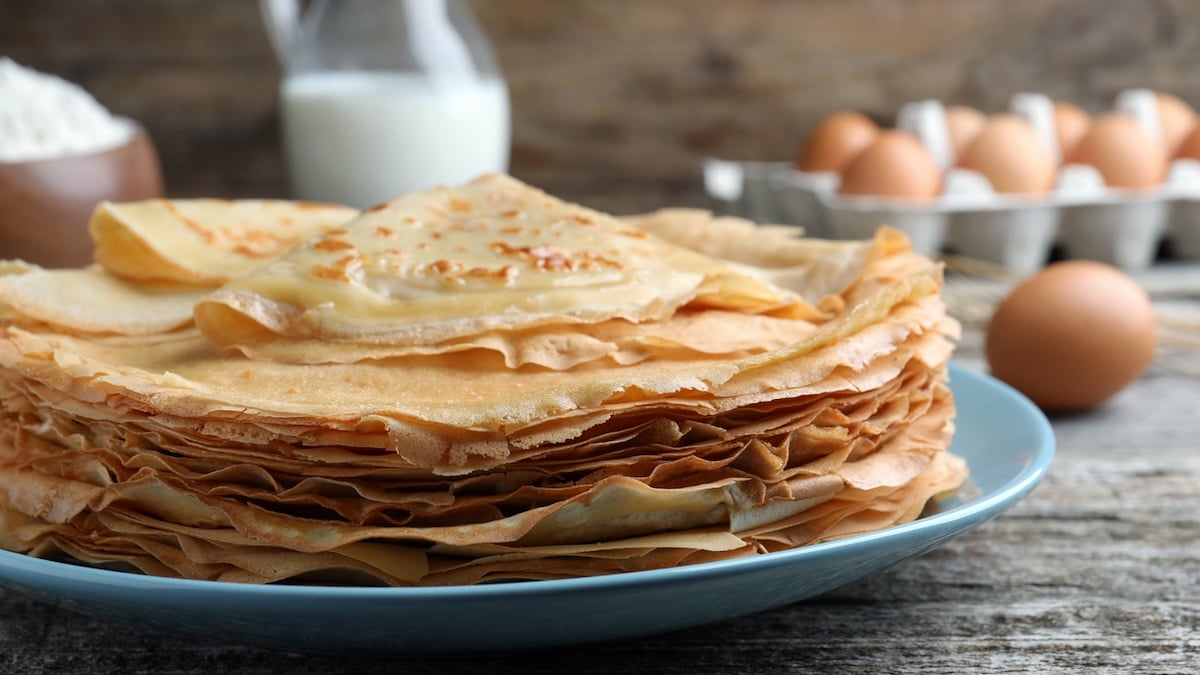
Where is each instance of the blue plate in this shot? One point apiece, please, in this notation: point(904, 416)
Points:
point(1005, 439)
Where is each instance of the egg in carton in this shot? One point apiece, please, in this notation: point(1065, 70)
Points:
point(1118, 201)
point(1005, 194)
point(1183, 181)
point(1095, 188)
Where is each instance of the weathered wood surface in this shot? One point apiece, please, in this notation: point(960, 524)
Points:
point(615, 104)
point(1096, 571)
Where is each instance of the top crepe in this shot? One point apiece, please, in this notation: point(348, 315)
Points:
point(493, 254)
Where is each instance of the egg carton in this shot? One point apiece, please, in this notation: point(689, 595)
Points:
point(1081, 216)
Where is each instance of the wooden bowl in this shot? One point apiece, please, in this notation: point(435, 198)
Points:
point(45, 205)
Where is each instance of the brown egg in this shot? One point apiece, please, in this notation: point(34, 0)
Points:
point(1071, 123)
point(1190, 147)
point(1009, 153)
point(839, 138)
point(1072, 336)
point(1122, 152)
point(1176, 119)
point(962, 124)
point(895, 165)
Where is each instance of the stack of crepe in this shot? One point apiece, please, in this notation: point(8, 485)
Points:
point(464, 385)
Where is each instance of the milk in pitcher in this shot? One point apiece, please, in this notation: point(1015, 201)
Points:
point(361, 137)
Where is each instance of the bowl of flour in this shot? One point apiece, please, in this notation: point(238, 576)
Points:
point(61, 153)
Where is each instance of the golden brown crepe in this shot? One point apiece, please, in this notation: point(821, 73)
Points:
point(203, 241)
point(493, 255)
point(90, 300)
point(389, 427)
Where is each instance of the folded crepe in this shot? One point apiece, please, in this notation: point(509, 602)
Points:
point(473, 384)
point(203, 241)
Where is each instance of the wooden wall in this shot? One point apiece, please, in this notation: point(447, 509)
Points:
point(616, 102)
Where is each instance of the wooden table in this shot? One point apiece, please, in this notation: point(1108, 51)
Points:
point(1098, 570)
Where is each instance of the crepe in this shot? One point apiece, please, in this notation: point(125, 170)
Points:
point(494, 254)
point(203, 241)
point(384, 427)
point(90, 300)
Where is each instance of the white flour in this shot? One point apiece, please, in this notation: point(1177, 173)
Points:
point(42, 117)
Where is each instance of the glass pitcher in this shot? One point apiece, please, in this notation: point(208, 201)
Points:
point(384, 97)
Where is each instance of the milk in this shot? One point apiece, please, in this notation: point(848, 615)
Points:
point(363, 137)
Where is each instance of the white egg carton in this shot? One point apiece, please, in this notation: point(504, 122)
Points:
point(1081, 215)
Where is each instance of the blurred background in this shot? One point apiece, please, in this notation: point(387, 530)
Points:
point(617, 102)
